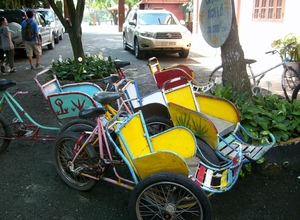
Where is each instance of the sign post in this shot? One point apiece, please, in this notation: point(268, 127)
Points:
point(215, 18)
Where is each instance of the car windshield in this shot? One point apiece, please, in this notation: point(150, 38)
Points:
point(156, 19)
point(49, 16)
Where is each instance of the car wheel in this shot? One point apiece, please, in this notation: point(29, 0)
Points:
point(61, 37)
point(184, 54)
point(56, 40)
point(137, 52)
point(125, 47)
point(51, 46)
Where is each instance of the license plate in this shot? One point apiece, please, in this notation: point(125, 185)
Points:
point(168, 43)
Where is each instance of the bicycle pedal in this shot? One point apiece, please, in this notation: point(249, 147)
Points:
point(28, 133)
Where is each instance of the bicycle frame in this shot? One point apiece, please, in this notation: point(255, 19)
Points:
point(15, 107)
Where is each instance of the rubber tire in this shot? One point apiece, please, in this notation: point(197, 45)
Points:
point(6, 132)
point(168, 181)
point(52, 44)
point(137, 52)
point(61, 37)
point(67, 177)
point(70, 125)
point(184, 54)
point(210, 156)
point(125, 47)
point(295, 93)
point(285, 84)
point(161, 123)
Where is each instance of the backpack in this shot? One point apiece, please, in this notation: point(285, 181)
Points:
point(27, 33)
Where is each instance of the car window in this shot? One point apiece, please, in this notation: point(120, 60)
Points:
point(49, 15)
point(156, 19)
point(13, 16)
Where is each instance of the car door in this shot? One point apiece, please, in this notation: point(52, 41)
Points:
point(131, 27)
point(44, 28)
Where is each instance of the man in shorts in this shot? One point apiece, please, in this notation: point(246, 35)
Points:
point(33, 45)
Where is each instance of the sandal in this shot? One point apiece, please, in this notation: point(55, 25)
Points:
point(2, 68)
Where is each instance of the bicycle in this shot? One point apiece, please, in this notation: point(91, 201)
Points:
point(18, 129)
point(289, 77)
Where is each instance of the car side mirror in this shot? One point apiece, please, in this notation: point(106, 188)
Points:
point(182, 22)
point(132, 22)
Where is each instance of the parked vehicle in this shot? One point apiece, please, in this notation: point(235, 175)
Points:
point(15, 18)
point(57, 28)
point(155, 31)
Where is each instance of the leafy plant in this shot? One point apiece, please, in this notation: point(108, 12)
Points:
point(95, 67)
point(266, 113)
point(289, 47)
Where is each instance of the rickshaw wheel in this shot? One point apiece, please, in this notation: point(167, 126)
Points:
point(86, 162)
point(207, 155)
point(73, 124)
point(168, 196)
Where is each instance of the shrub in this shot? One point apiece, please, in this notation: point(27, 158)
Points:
point(95, 67)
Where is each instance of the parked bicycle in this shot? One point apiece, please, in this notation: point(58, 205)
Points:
point(289, 76)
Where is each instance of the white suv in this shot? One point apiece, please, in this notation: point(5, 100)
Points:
point(57, 28)
point(155, 30)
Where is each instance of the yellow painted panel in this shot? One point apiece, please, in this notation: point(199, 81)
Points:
point(134, 134)
point(224, 179)
point(183, 96)
point(161, 161)
point(197, 122)
point(218, 107)
point(178, 139)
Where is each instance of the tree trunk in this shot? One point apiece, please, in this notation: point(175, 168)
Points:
point(76, 42)
point(233, 61)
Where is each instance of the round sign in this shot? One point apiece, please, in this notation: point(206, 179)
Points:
point(215, 18)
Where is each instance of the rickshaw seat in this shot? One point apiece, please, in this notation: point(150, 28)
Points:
point(162, 152)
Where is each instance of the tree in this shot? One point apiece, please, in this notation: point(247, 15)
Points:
point(233, 61)
point(72, 24)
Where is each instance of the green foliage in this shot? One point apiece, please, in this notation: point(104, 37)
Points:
point(95, 67)
point(288, 46)
point(265, 114)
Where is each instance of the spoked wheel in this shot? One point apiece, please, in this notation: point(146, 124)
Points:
point(156, 124)
point(296, 94)
point(87, 162)
point(290, 79)
point(4, 132)
point(168, 196)
point(216, 77)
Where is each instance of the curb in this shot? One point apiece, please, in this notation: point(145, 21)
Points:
point(284, 157)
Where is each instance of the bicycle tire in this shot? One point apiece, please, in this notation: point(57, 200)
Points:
point(74, 123)
point(64, 152)
point(296, 95)
point(289, 80)
point(5, 131)
point(168, 196)
point(216, 77)
point(207, 155)
point(157, 123)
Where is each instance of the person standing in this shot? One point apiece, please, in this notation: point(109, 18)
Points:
point(32, 45)
point(7, 46)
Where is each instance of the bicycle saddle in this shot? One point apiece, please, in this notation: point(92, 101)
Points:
point(86, 113)
point(106, 97)
point(119, 63)
point(250, 61)
point(111, 79)
point(6, 83)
